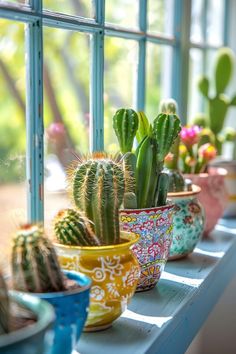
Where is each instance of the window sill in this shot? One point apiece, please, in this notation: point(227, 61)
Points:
point(167, 318)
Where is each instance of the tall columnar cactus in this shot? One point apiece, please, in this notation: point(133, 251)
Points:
point(4, 307)
point(72, 228)
point(98, 187)
point(219, 103)
point(35, 267)
point(125, 124)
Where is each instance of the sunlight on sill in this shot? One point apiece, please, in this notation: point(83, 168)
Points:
point(211, 254)
point(157, 321)
point(230, 230)
point(182, 280)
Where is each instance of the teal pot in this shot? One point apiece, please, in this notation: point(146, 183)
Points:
point(32, 339)
point(189, 219)
point(71, 308)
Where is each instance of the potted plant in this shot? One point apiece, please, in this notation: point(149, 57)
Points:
point(146, 211)
point(25, 322)
point(89, 237)
point(35, 269)
point(218, 105)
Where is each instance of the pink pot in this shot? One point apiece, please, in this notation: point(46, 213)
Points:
point(213, 194)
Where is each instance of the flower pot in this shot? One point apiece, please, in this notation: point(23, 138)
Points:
point(154, 226)
point(213, 196)
point(189, 220)
point(71, 307)
point(114, 271)
point(34, 338)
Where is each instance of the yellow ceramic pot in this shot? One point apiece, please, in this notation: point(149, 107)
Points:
point(114, 271)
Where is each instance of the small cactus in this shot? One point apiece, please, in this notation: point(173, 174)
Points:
point(169, 106)
point(98, 186)
point(35, 267)
point(72, 228)
point(4, 307)
point(162, 189)
point(176, 181)
point(125, 124)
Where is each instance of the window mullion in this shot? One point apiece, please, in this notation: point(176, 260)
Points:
point(226, 22)
point(97, 82)
point(180, 66)
point(141, 79)
point(34, 117)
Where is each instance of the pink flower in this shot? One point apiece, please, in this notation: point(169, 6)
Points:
point(190, 135)
point(207, 152)
point(56, 130)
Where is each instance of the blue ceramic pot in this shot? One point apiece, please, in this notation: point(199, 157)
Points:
point(32, 339)
point(71, 309)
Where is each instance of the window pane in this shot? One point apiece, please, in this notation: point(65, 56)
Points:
point(17, 1)
point(72, 7)
point(120, 79)
point(195, 70)
point(197, 21)
point(122, 12)
point(160, 16)
point(159, 71)
point(66, 109)
point(215, 22)
point(12, 128)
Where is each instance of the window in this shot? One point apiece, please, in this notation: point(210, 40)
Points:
point(84, 59)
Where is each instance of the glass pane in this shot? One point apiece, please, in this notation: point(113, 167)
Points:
point(195, 70)
point(13, 136)
point(66, 110)
point(119, 82)
point(160, 16)
point(159, 72)
point(17, 1)
point(71, 7)
point(215, 22)
point(197, 21)
point(122, 12)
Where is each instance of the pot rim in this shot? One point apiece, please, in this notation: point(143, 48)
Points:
point(130, 239)
point(196, 190)
point(148, 210)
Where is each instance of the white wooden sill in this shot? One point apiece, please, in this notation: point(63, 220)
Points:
point(166, 319)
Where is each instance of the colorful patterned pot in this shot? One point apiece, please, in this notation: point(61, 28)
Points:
point(114, 271)
point(213, 196)
point(71, 309)
point(189, 221)
point(154, 226)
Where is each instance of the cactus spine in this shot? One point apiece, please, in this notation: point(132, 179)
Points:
point(98, 187)
point(4, 307)
point(218, 104)
point(125, 124)
point(72, 228)
point(35, 267)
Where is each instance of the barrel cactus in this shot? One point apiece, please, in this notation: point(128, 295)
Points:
point(35, 267)
point(125, 124)
point(176, 181)
point(72, 228)
point(169, 106)
point(98, 186)
point(4, 307)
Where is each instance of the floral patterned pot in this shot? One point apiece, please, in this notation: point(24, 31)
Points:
point(114, 271)
point(213, 196)
point(154, 226)
point(189, 221)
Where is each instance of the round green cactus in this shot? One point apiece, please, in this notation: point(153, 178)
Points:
point(169, 106)
point(176, 181)
point(72, 228)
point(4, 307)
point(35, 267)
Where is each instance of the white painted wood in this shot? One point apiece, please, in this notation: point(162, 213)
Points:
point(167, 318)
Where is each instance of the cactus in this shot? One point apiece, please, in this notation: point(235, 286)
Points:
point(143, 127)
point(72, 228)
point(35, 267)
point(98, 186)
point(176, 181)
point(4, 307)
point(169, 106)
point(125, 124)
point(218, 104)
point(129, 166)
point(162, 189)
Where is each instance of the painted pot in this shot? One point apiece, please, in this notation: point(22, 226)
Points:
point(71, 308)
point(189, 218)
point(35, 338)
point(213, 196)
point(114, 271)
point(154, 226)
